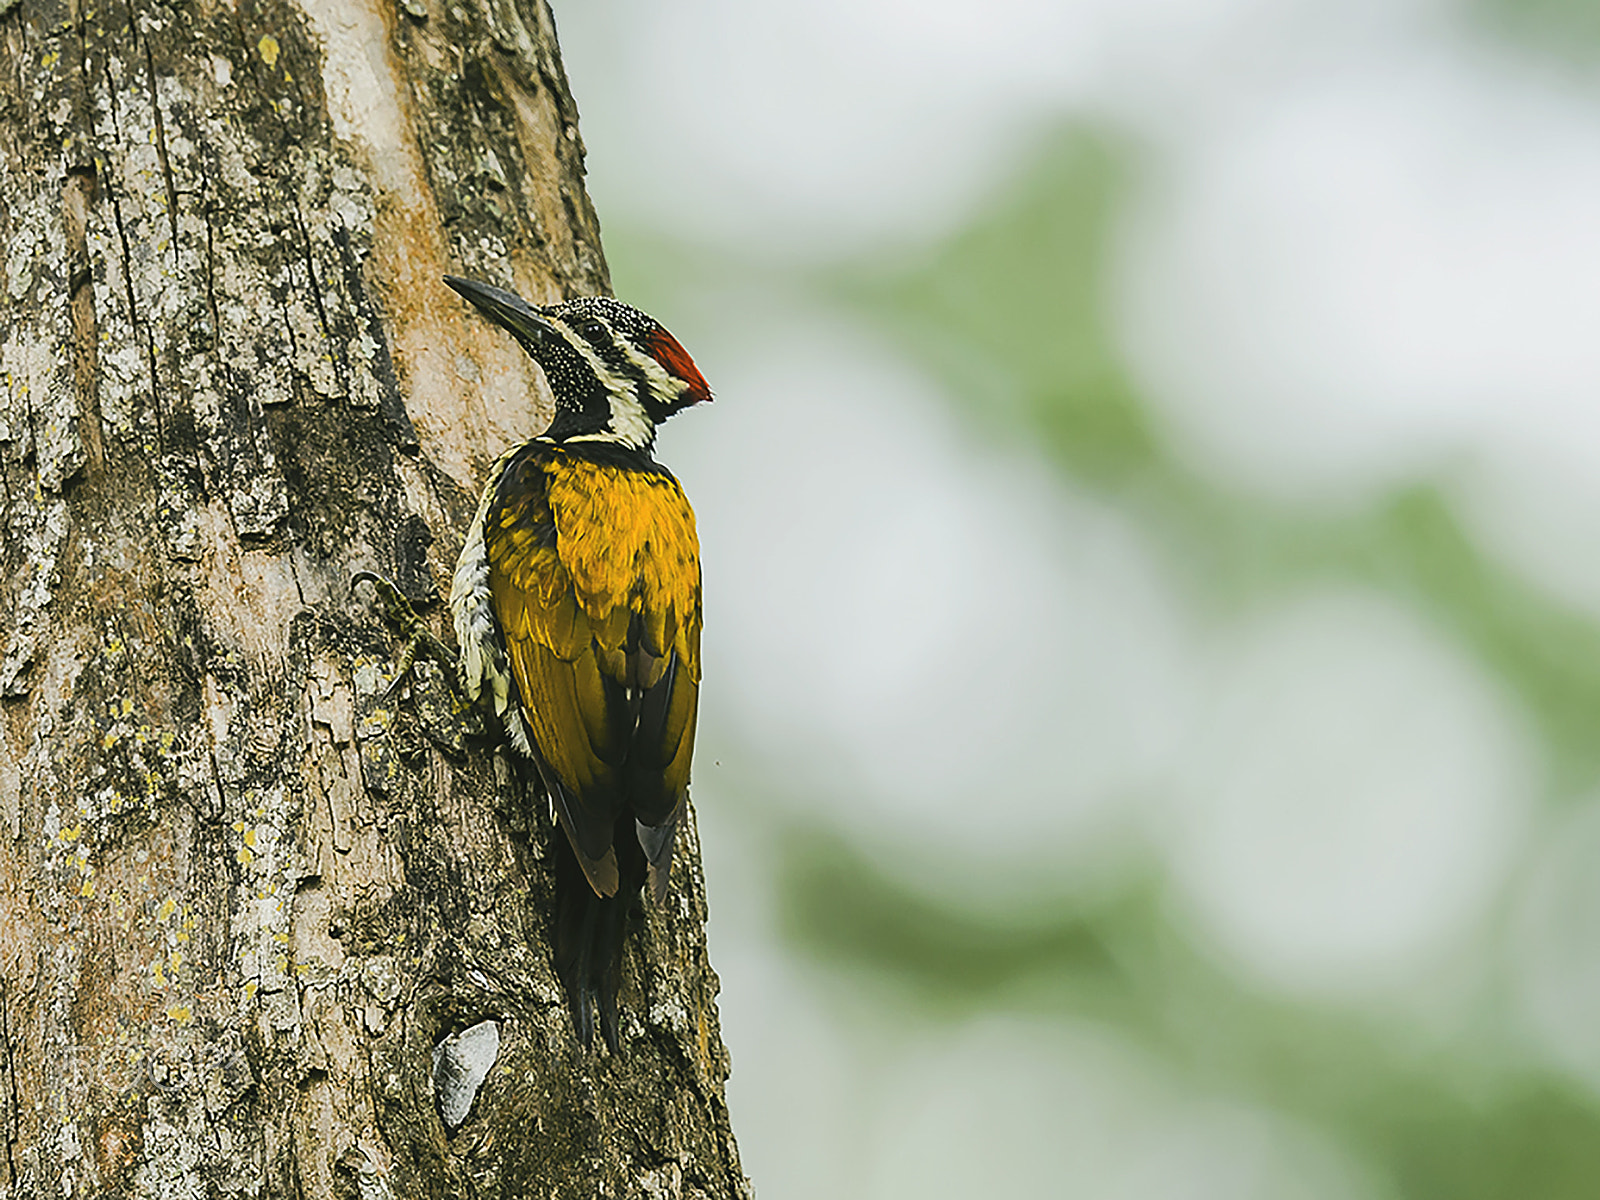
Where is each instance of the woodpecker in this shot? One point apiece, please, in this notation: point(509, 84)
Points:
point(577, 609)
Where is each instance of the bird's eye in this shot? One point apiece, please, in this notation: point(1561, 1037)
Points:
point(592, 331)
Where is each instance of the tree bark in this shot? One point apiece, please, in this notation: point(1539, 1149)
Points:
point(245, 894)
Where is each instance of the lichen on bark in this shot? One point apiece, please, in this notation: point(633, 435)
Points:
point(244, 892)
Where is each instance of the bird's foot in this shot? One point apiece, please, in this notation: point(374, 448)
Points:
point(443, 712)
point(401, 613)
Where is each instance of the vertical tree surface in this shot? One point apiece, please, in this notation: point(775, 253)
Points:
point(245, 895)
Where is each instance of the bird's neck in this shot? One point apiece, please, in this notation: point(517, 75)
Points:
point(623, 422)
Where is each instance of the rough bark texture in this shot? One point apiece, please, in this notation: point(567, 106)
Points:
point(244, 894)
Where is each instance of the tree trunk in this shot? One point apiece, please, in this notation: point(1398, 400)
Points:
point(245, 894)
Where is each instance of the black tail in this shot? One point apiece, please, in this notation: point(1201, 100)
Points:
point(589, 933)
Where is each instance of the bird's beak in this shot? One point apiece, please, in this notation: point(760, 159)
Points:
point(508, 310)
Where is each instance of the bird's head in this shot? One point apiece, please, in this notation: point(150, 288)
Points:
point(614, 371)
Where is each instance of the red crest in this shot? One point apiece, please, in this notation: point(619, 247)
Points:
point(669, 352)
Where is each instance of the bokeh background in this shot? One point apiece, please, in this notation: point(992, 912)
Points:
point(1151, 515)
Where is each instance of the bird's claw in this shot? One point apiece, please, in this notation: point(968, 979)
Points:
point(399, 611)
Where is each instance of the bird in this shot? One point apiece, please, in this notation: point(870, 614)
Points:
point(577, 608)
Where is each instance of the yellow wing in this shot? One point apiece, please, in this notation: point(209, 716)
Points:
point(595, 578)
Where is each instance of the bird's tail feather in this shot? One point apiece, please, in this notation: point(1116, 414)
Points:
point(589, 932)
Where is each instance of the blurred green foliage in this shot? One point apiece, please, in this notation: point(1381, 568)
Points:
point(1427, 1119)
point(1567, 29)
point(1009, 313)
point(835, 901)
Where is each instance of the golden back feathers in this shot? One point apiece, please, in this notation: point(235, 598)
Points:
point(594, 573)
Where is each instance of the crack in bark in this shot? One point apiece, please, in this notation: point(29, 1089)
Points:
point(211, 279)
point(78, 197)
point(142, 339)
point(312, 283)
point(33, 435)
point(116, 206)
point(213, 814)
point(161, 145)
point(294, 575)
point(13, 1123)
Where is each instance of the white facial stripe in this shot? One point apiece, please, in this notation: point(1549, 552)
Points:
point(630, 425)
point(662, 381)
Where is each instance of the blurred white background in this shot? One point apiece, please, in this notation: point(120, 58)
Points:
point(1149, 516)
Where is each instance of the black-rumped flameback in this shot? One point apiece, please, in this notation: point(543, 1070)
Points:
point(577, 609)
